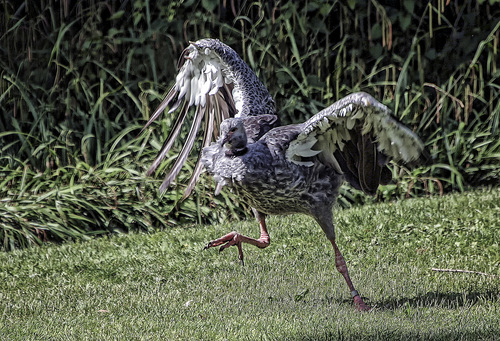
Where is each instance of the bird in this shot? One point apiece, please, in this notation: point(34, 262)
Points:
point(279, 169)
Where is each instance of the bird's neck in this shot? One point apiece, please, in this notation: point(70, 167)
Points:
point(236, 151)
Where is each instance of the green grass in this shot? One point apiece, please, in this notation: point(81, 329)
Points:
point(162, 286)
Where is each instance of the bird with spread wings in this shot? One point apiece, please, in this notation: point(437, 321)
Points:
point(277, 169)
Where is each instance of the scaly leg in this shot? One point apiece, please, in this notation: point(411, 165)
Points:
point(325, 220)
point(235, 238)
point(342, 268)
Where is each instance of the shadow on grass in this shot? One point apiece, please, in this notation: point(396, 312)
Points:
point(422, 330)
point(385, 335)
point(450, 300)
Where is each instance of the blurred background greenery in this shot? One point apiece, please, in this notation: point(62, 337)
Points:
point(78, 80)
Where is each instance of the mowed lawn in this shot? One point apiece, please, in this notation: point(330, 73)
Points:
point(163, 286)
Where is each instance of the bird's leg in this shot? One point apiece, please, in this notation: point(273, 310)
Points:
point(341, 266)
point(235, 238)
point(325, 220)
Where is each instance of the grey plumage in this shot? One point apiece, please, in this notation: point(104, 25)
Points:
point(214, 79)
point(267, 181)
point(299, 168)
point(277, 169)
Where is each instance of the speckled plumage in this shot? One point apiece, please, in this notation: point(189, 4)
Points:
point(279, 169)
point(248, 89)
point(214, 79)
point(268, 182)
point(305, 163)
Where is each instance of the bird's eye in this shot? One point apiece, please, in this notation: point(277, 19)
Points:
point(232, 130)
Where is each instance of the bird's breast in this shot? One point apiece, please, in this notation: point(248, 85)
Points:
point(273, 185)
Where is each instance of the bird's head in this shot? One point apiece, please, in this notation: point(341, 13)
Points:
point(233, 135)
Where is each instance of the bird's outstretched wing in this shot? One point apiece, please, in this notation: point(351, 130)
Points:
point(357, 136)
point(216, 81)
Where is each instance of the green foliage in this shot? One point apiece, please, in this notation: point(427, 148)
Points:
point(163, 286)
point(78, 80)
point(80, 200)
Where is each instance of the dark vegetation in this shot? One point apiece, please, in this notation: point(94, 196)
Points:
point(78, 79)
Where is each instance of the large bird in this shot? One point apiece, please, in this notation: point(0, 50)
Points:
point(278, 169)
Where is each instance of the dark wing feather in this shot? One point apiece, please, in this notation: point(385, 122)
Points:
point(369, 170)
point(168, 142)
point(357, 136)
point(257, 126)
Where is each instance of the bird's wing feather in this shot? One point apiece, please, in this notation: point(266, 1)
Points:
point(257, 126)
point(356, 135)
point(215, 80)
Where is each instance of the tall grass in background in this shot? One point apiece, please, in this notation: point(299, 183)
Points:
point(78, 80)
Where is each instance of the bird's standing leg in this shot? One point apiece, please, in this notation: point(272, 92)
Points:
point(342, 268)
point(326, 223)
point(235, 238)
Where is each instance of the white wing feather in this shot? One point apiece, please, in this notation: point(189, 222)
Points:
point(211, 76)
point(327, 131)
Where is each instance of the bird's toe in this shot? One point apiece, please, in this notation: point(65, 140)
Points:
point(360, 305)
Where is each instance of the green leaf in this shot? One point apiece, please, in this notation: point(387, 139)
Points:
point(405, 21)
point(376, 31)
point(117, 15)
point(209, 5)
point(409, 5)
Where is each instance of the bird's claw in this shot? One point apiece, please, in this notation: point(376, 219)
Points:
point(360, 305)
point(230, 239)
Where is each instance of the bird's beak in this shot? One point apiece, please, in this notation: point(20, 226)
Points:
point(224, 140)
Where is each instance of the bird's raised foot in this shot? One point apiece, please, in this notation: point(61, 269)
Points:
point(230, 239)
point(235, 238)
point(359, 304)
